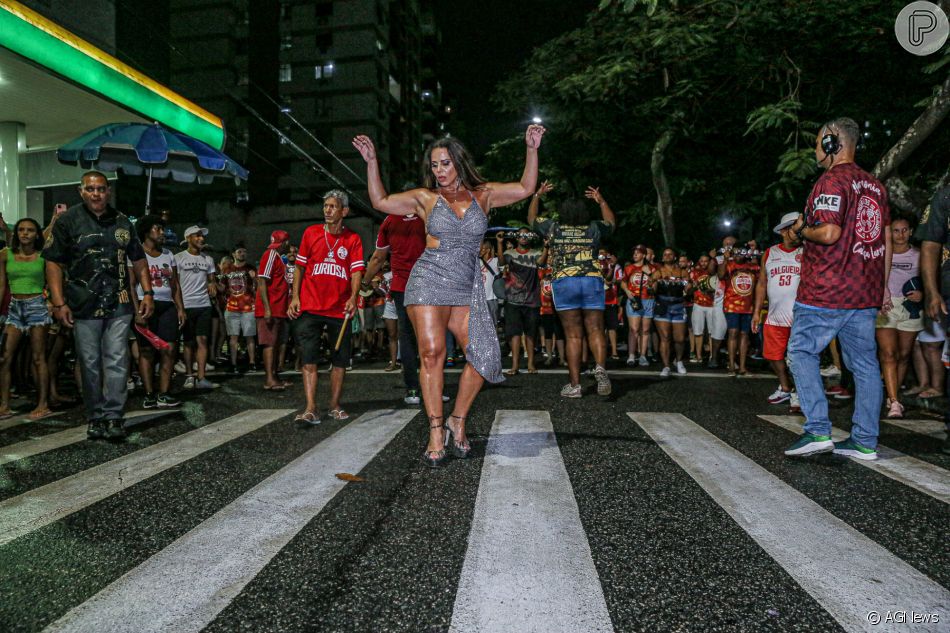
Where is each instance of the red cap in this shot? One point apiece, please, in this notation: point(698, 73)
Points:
point(277, 238)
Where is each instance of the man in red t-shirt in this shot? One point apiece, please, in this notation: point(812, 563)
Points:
point(326, 284)
point(739, 271)
point(270, 309)
point(402, 238)
point(240, 286)
point(846, 258)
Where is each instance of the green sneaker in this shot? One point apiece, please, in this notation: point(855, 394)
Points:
point(850, 448)
point(808, 444)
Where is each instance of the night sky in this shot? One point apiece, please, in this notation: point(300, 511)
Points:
point(483, 43)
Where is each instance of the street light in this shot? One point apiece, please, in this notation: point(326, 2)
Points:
point(537, 120)
point(727, 223)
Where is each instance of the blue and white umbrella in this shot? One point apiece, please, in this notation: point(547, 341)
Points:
point(139, 148)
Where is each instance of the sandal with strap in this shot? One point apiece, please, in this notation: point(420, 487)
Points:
point(435, 459)
point(459, 450)
point(339, 414)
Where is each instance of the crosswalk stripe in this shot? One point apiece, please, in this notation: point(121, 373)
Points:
point(910, 471)
point(849, 574)
point(29, 448)
point(32, 510)
point(528, 566)
point(183, 587)
point(653, 373)
point(933, 428)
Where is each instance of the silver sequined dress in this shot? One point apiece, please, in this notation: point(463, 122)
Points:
point(450, 276)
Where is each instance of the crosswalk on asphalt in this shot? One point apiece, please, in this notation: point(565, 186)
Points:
point(534, 556)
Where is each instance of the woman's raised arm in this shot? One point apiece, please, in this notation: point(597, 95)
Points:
point(502, 194)
point(406, 203)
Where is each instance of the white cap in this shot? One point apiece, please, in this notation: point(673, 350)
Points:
point(787, 220)
point(194, 230)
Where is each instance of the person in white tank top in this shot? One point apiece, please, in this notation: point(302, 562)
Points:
point(779, 277)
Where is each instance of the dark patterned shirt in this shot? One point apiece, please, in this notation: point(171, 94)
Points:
point(93, 252)
point(935, 227)
point(848, 274)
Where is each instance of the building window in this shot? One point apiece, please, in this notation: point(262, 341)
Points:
point(286, 43)
point(395, 89)
point(323, 42)
point(324, 71)
point(285, 73)
point(379, 45)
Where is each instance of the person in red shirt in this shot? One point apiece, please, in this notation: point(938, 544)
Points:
point(640, 305)
point(401, 238)
point(739, 271)
point(239, 283)
point(613, 275)
point(326, 284)
point(846, 258)
point(270, 309)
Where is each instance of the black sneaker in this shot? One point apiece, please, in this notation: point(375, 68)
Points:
point(166, 401)
point(96, 430)
point(149, 401)
point(116, 430)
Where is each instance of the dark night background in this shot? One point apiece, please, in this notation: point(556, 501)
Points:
point(482, 44)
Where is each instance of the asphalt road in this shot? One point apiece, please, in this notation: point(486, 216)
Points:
point(667, 506)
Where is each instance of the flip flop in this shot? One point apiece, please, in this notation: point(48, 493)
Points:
point(511, 372)
point(339, 414)
point(45, 414)
point(274, 387)
point(929, 393)
point(532, 371)
point(307, 418)
point(6, 416)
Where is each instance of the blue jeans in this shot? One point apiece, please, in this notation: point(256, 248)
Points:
point(812, 331)
point(102, 348)
point(408, 351)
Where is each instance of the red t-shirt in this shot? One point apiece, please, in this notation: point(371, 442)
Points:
point(547, 290)
point(612, 274)
point(848, 274)
point(241, 288)
point(405, 237)
point(740, 287)
point(329, 261)
point(700, 298)
point(637, 281)
point(274, 271)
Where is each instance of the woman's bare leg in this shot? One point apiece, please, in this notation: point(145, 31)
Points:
point(430, 324)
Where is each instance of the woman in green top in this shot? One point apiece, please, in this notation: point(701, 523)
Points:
point(23, 271)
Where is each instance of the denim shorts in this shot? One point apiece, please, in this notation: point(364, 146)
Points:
point(645, 312)
point(739, 321)
point(27, 313)
point(675, 311)
point(578, 293)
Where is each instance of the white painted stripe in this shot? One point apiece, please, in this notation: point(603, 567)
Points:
point(933, 428)
point(528, 566)
point(29, 448)
point(611, 372)
point(187, 584)
point(847, 573)
point(910, 471)
point(17, 420)
point(32, 510)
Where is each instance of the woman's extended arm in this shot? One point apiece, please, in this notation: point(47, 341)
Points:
point(502, 194)
point(416, 201)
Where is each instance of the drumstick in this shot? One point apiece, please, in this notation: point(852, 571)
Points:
point(339, 339)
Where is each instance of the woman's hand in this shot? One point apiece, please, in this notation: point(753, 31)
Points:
point(532, 137)
point(364, 145)
point(594, 194)
point(545, 187)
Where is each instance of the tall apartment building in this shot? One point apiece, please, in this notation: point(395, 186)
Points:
point(339, 67)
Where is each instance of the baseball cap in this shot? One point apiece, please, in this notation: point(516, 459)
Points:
point(194, 230)
point(787, 220)
point(277, 238)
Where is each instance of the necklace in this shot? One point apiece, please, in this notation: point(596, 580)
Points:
point(330, 249)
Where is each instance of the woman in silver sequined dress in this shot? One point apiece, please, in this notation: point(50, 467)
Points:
point(445, 290)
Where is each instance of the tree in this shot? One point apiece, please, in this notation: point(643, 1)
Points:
point(690, 111)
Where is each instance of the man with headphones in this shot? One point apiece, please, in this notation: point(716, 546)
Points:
point(845, 232)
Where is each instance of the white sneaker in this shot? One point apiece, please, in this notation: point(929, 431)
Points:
point(572, 391)
point(130, 385)
point(895, 410)
point(643, 361)
point(190, 382)
point(204, 383)
point(680, 368)
point(179, 367)
point(631, 360)
point(830, 372)
point(603, 381)
point(665, 372)
point(779, 396)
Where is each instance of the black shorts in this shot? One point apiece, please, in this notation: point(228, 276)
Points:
point(521, 320)
point(197, 324)
point(308, 331)
point(163, 323)
point(611, 321)
point(551, 324)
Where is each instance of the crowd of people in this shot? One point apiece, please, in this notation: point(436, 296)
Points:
point(842, 279)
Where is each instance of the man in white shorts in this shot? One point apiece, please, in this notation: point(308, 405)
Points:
point(707, 316)
point(779, 276)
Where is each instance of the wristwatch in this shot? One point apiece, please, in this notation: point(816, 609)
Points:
point(148, 292)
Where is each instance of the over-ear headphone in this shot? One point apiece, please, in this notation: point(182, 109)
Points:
point(830, 144)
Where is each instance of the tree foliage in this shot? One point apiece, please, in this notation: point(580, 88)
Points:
point(741, 86)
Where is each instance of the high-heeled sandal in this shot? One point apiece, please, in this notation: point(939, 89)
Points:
point(435, 459)
point(458, 450)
